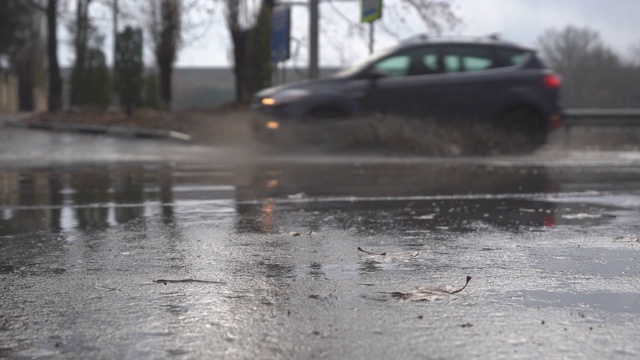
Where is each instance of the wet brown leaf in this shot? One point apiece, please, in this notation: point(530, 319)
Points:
point(627, 239)
point(167, 281)
point(429, 293)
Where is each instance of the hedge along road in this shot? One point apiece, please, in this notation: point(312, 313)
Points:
point(123, 249)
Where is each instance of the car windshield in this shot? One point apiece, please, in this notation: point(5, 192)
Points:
point(361, 66)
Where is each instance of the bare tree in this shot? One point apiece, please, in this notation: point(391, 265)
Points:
point(239, 40)
point(436, 15)
point(80, 29)
point(566, 48)
point(55, 80)
point(51, 11)
point(164, 25)
point(250, 35)
point(21, 45)
point(594, 75)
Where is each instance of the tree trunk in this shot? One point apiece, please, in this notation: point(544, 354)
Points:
point(55, 80)
point(79, 83)
point(24, 68)
point(166, 69)
point(239, 38)
point(167, 46)
point(251, 50)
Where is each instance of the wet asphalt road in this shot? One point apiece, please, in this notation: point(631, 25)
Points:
point(153, 250)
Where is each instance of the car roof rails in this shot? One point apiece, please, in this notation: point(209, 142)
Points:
point(415, 38)
point(489, 38)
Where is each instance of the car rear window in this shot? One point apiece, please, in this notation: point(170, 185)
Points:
point(510, 57)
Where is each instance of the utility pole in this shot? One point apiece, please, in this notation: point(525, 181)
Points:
point(371, 37)
point(114, 97)
point(115, 30)
point(314, 14)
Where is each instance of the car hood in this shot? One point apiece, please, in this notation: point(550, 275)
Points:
point(311, 85)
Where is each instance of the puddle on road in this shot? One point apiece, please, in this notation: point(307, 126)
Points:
point(93, 231)
point(266, 198)
point(601, 262)
point(606, 301)
point(349, 271)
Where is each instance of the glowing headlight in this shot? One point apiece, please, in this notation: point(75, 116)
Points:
point(284, 97)
point(268, 101)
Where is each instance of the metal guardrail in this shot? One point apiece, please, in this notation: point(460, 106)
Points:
point(602, 117)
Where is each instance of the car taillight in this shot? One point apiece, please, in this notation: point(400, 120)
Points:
point(552, 81)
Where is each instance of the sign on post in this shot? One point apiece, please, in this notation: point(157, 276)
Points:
point(371, 10)
point(280, 34)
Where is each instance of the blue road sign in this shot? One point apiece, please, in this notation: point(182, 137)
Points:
point(280, 34)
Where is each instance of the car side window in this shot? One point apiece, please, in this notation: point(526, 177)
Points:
point(431, 63)
point(419, 61)
point(425, 61)
point(462, 58)
point(452, 63)
point(394, 66)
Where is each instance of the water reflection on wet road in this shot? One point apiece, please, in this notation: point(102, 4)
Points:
point(553, 252)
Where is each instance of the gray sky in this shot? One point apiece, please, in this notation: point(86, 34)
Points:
point(521, 21)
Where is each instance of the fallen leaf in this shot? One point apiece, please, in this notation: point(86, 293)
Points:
point(166, 281)
point(370, 253)
point(294, 233)
point(627, 239)
point(429, 293)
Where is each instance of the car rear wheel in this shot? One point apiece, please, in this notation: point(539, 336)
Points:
point(521, 130)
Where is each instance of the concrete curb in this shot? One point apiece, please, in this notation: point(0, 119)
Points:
point(102, 130)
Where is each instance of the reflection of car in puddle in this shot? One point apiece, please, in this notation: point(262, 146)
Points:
point(370, 196)
point(405, 196)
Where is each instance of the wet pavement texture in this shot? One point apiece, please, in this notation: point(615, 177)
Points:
point(260, 259)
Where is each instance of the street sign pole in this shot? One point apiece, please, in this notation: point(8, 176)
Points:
point(371, 37)
point(314, 14)
point(371, 10)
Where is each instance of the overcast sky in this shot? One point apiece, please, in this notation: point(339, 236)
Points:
point(521, 21)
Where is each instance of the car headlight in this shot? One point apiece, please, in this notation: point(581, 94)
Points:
point(285, 97)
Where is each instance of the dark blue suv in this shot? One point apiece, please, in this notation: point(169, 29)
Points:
point(483, 80)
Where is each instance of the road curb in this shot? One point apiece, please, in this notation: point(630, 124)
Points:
point(102, 130)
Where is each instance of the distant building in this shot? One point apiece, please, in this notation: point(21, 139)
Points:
point(205, 88)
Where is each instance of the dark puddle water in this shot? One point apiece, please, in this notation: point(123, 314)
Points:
point(265, 198)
